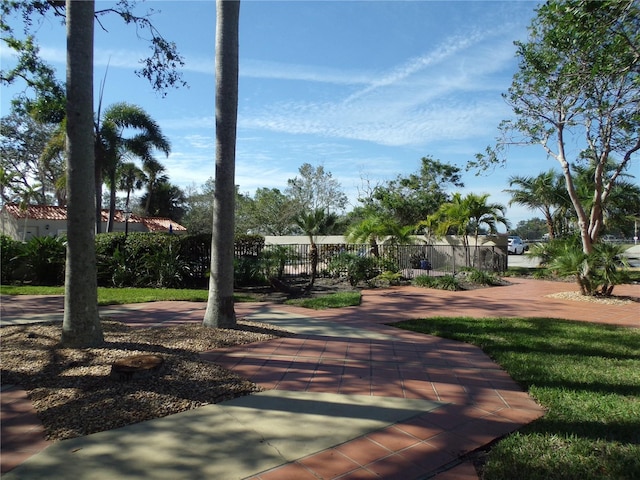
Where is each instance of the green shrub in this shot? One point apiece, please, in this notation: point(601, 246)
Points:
point(10, 258)
point(356, 268)
point(275, 259)
point(445, 282)
point(387, 278)
point(44, 258)
point(425, 281)
point(481, 278)
point(248, 270)
point(596, 273)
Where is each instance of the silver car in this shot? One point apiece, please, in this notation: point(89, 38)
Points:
point(516, 245)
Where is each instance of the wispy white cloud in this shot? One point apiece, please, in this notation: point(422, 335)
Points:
point(421, 100)
point(309, 73)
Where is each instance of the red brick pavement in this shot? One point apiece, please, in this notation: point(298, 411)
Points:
point(485, 402)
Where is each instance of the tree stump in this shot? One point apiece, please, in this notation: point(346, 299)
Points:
point(136, 366)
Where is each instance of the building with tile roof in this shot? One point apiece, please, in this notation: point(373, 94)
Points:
point(48, 220)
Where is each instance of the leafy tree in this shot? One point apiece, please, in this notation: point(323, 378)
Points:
point(199, 207)
point(622, 204)
point(161, 68)
point(81, 322)
point(168, 201)
point(531, 229)
point(315, 189)
point(272, 213)
point(22, 142)
point(220, 311)
point(199, 210)
point(578, 84)
point(413, 198)
point(483, 214)
point(124, 131)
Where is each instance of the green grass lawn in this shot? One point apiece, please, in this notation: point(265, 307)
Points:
point(588, 378)
point(332, 300)
point(120, 296)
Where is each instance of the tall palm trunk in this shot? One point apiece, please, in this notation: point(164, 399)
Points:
point(220, 310)
point(81, 324)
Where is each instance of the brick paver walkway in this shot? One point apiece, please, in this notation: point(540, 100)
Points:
point(484, 403)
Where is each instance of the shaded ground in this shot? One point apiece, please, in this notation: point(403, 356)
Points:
point(72, 390)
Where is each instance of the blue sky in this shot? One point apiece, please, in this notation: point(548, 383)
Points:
point(364, 88)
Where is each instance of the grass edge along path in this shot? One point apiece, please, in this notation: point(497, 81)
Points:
point(588, 378)
point(121, 296)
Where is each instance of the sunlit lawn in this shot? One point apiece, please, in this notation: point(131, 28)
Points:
point(119, 296)
point(586, 375)
point(332, 300)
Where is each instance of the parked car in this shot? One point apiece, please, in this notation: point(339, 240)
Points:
point(516, 245)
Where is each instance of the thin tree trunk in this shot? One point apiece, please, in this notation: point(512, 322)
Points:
point(220, 310)
point(98, 159)
point(81, 324)
point(112, 200)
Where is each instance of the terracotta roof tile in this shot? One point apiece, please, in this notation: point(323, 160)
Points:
point(50, 212)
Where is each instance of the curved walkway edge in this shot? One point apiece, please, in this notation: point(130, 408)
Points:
point(348, 397)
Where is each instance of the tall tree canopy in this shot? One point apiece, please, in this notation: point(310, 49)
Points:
point(410, 199)
point(315, 188)
point(161, 67)
point(578, 84)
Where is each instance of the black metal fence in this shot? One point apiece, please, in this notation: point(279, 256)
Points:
point(410, 260)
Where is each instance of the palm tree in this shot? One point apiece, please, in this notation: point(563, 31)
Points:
point(483, 213)
point(130, 178)
point(375, 228)
point(452, 218)
point(220, 311)
point(152, 168)
point(81, 322)
point(113, 147)
point(465, 215)
point(545, 192)
point(312, 224)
